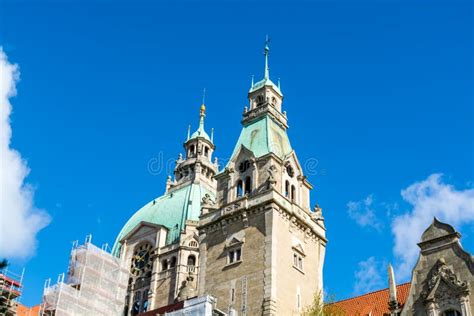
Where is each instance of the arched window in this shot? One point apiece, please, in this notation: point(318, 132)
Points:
point(287, 188)
point(164, 265)
point(193, 243)
point(293, 193)
point(191, 260)
point(260, 100)
point(290, 171)
point(136, 308)
point(173, 262)
point(248, 185)
point(451, 312)
point(240, 188)
point(206, 151)
point(191, 151)
point(145, 301)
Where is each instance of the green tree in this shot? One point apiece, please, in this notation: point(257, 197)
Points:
point(321, 307)
point(3, 264)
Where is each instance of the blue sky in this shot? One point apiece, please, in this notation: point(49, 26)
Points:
point(378, 93)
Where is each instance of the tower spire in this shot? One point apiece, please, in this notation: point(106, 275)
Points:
point(266, 53)
point(392, 301)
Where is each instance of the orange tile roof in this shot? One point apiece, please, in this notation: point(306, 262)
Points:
point(374, 303)
point(22, 310)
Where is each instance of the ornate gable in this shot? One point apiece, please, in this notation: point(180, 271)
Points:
point(443, 285)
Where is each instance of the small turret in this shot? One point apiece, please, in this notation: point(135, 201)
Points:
point(197, 163)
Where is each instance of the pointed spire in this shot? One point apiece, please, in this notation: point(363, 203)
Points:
point(202, 115)
point(392, 285)
point(200, 132)
point(189, 132)
point(202, 112)
point(251, 84)
point(279, 83)
point(212, 135)
point(266, 52)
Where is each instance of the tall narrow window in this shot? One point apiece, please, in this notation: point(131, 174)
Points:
point(191, 151)
point(164, 265)
point(173, 262)
point(287, 188)
point(206, 151)
point(191, 260)
point(248, 185)
point(240, 188)
point(293, 193)
point(238, 254)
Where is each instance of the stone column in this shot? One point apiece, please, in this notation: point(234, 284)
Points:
point(465, 306)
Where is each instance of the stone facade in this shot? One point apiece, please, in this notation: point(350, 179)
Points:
point(261, 248)
point(245, 235)
point(443, 278)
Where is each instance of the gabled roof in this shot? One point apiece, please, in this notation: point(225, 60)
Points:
point(374, 303)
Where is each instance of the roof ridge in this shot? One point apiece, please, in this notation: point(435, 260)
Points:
point(373, 292)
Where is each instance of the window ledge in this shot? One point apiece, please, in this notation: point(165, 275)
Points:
point(298, 269)
point(235, 263)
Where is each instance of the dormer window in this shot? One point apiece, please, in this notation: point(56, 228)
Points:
point(234, 255)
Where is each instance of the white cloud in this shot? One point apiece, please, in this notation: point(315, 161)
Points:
point(20, 220)
point(370, 276)
point(430, 197)
point(363, 213)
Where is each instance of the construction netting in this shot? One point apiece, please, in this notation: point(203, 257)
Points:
point(96, 284)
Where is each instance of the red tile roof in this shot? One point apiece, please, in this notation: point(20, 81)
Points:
point(374, 303)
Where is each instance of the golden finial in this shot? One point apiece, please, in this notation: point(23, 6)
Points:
point(203, 105)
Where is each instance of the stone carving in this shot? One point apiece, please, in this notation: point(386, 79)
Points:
point(317, 213)
point(187, 289)
point(453, 287)
point(245, 219)
point(231, 208)
point(271, 176)
point(207, 200)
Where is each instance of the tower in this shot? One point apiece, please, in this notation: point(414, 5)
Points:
point(159, 243)
point(261, 247)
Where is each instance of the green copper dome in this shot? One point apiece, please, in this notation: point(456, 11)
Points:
point(170, 210)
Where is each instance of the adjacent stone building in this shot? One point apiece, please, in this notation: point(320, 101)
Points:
point(441, 285)
point(443, 278)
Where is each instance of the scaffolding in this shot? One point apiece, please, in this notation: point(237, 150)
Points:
point(10, 290)
point(96, 284)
